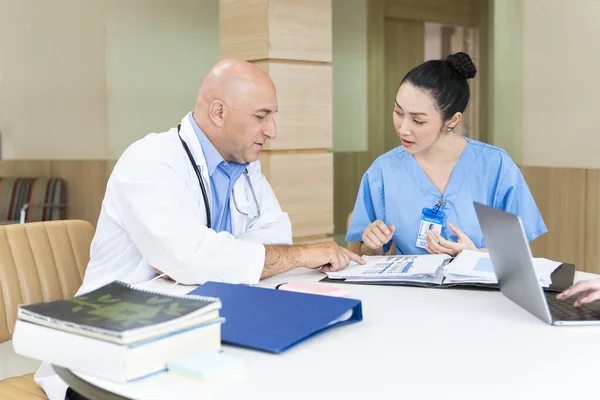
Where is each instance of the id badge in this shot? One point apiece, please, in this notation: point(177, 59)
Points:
point(432, 220)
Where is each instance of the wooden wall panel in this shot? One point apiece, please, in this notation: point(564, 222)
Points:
point(313, 239)
point(348, 170)
point(303, 183)
point(25, 168)
point(304, 94)
point(592, 222)
point(376, 76)
point(110, 165)
point(276, 29)
point(293, 45)
point(300, 30)
point(482, 38)
point(349, 167)
point(456, 12)
point(401, 55)
point(560, 196)
point(86, 182)
point(243, 29)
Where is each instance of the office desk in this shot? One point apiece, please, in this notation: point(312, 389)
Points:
point(413, 343)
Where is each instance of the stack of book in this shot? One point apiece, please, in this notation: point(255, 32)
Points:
point(118, 332)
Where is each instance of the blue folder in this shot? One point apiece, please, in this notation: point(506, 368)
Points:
point(275, 320)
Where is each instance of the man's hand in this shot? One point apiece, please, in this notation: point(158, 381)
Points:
point(586, 291)
point(159, 272)
point(436, 244)
point(330, 257)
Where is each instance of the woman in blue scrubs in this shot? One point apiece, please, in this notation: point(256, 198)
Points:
point(420, 195)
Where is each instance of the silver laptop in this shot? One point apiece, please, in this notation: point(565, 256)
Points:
point(512, 262)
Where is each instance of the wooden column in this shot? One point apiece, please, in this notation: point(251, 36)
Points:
point(291, 41)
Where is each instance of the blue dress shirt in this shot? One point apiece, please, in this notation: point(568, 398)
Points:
point(223, 176)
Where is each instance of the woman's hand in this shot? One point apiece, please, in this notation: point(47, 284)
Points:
point(377, 234)
point(586, 291)
point(436, 244)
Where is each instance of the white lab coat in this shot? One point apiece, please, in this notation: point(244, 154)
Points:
point(153, 216)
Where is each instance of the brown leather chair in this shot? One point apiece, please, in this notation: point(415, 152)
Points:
point(39, 261)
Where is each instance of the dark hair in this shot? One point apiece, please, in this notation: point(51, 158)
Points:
point(445, 81)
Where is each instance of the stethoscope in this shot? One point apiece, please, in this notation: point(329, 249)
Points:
point(203, 188)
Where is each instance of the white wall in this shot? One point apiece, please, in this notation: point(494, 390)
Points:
point(433, 41)
point(157, 52)
point(83, 79)
point(561, 76)
point(506, 84)
point(52, 79)
point(349, 75)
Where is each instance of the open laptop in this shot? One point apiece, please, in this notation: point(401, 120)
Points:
point(512, 262)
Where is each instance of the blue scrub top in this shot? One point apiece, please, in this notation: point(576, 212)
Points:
point(395, 189)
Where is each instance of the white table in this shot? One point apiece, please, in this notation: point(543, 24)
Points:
point(413, 343)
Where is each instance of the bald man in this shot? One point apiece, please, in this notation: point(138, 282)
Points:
point(193, 204)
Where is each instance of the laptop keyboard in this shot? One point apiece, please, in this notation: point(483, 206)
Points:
point(563, 310)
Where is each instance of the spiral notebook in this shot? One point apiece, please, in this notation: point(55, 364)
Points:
point(118, 332)
point(122, 314)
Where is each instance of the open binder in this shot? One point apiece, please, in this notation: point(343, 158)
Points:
point(562, 278)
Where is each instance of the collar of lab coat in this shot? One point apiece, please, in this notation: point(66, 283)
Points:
point(189, 137)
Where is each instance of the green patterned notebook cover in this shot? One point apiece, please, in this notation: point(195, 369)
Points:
point(119, 307)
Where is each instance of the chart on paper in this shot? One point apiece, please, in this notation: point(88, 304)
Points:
point(392, 265)
point(484, 265)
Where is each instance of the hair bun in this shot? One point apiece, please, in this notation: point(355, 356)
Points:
point(462, 63)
